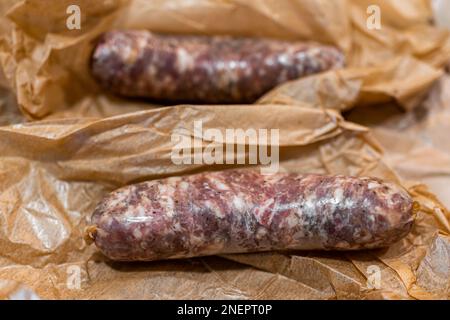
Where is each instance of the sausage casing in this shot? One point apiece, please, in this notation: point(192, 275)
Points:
point(236, 211)
point(203, 69)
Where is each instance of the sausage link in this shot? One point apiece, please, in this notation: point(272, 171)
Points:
point(202, 69)
point(244, 211)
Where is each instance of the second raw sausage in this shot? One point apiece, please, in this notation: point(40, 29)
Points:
point(203, 69)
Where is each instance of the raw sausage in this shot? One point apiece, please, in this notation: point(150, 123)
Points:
point(236, 211)
point(203, 69)
point(243, 211)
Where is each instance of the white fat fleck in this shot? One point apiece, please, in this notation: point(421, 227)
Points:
point(184, 185)
point(390, 201)
point(219, 185)
point(128, 220)
point(214, 208)
point(228, 75)
point(162, 189)
point(286, 206)
point(137, 233)
point(184, 60)
point(166, 196)
point(142, 41)
point(311, 201)
point(238, 203)
point(220, 65)
point(338, 195)
point(349, 202)
point(143, 245)
point(100, 52)
point(284, 59)
point(232, 65)
point(301, 56)
point(129, 54)
point(177, 226)
point(170, 207)
point(292, 220)
point(373, 185)
point(270, 62)
point(261, 232)
point(366, 203)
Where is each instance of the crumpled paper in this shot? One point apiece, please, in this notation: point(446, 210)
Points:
point(54, 171)
point(416, 143)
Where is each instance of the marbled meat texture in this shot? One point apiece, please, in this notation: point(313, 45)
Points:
point(203, 69)
point(244, 211)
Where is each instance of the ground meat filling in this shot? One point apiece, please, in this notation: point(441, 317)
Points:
point(245, 211)
point(203, 69)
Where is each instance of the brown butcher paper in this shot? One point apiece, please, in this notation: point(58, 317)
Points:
point(64, 144)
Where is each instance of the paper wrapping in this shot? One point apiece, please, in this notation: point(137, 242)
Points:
point(54, 171)
point(62, 168)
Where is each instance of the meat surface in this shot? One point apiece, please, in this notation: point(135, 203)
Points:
point(203, 69)
point(236, 211)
